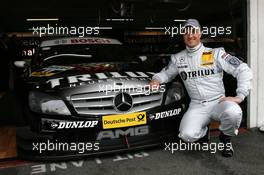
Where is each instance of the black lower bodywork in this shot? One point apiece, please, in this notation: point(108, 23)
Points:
point(159, 131)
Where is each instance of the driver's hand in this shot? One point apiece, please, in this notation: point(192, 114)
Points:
point(154, 84)
point(236, 99)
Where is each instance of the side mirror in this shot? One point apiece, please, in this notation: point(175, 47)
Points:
point(20, 64)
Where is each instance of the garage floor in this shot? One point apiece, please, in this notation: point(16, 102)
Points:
point(248, 160)
point(7, 142)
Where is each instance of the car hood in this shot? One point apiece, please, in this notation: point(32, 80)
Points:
point(80, 75)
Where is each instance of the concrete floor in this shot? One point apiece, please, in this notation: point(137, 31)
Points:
point(248, 160)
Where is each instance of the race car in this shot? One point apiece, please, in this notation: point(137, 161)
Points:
point(87, 96)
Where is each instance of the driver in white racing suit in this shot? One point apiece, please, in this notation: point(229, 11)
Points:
point(201, 70)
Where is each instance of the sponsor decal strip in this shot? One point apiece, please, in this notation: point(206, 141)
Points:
point(165, 114)
point(124, 120)
point(100, 76)
point(48, 124)
point(49, 71)
point(117, 133)
point(71, 41)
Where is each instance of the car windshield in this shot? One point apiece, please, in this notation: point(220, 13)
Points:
point(77, 54)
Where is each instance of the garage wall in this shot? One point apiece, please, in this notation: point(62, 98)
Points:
point(256, 61)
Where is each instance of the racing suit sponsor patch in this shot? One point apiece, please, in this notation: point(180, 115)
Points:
point(224, 55)
point(207, 59)
point(182, 63)
point(165, 114)
point(234, 61)
point(198, 73)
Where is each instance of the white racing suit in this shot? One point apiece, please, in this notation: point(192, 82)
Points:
point(202, 73)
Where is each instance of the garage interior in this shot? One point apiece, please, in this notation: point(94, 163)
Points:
point(139, 24)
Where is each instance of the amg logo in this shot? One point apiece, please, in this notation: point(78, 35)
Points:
point(114, 134)
point(76, 124)
point(197, 73)
point(165, 114)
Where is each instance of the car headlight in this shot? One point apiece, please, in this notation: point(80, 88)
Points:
point(174, 93)
point(44, 103)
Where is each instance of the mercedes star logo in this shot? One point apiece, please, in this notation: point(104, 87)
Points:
point(123, 102)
